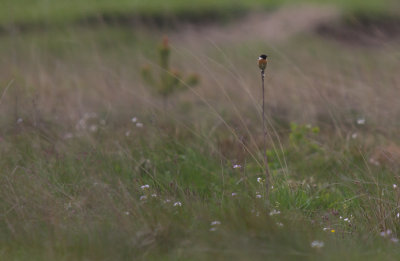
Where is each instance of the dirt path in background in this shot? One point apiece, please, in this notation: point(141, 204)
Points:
point(273, 27)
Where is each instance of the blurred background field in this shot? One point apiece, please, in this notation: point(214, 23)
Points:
point(44, 12)
point(98, 165)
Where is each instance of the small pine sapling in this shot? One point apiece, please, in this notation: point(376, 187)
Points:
point(167, 81)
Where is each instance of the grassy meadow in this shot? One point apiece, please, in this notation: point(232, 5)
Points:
point(96, 165)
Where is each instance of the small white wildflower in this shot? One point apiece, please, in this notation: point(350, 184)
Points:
point(279, 224)
point(272, 187)
point(398, 215)
point(126, 213)
point(20, 120)
point(234, 194)
point(68, 135)
point(317, 244)
point(139, 125)
point(145, 186)
point(236, 166)
point(395, 186)
point(394, 239)
point(258, 196)
point(144, 197)
point(216, 223)
point(274, 212)
point(178, 204)
point(154, 195)
point(167, 201)
point(374, 162)
point(361, 121)
point(386, 233)
point(127, 133)
point(213, 229)
point(354, 135)
point(326, 229)
point(93, 128)
point(259, 180)
point(89, 115)
point(341, 217)
point(134, 119)
point(81, 125)
point(346, 219)
point(68, 205)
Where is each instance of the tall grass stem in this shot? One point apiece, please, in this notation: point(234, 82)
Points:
point(267, 173)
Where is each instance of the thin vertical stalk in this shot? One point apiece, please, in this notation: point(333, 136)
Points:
point(267, 173)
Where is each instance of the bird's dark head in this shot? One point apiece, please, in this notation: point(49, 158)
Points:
point(263, 57)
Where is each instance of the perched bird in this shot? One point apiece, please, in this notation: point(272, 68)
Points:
point(262, 62)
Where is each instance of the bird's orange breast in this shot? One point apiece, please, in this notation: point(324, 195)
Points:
point(262, 62)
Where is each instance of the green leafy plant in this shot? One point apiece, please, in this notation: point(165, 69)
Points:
point(167, 81)
point(301, 137)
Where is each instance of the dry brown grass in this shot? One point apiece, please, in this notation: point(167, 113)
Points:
point(309, 79)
